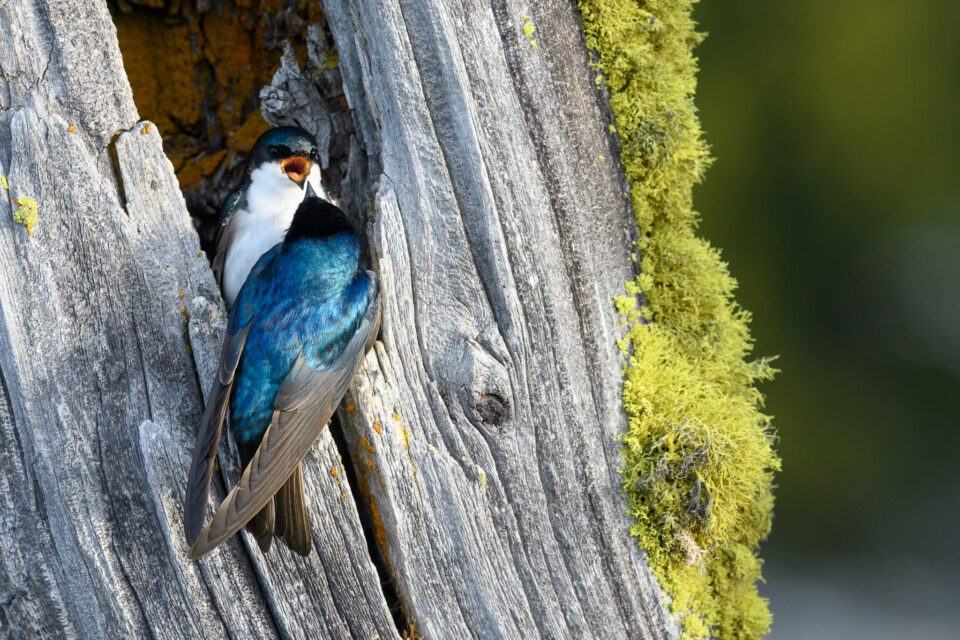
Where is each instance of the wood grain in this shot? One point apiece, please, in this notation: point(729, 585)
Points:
point(483, 426)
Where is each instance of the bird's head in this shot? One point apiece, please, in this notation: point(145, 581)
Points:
point(289, 151)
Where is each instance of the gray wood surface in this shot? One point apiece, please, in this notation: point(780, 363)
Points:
point(483, 427)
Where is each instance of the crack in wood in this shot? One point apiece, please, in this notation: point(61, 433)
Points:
point(364, 512)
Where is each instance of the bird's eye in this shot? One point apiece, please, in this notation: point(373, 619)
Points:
point(313, 153)
point(278, 151)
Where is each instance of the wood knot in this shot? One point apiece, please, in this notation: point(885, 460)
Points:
point(492, 409)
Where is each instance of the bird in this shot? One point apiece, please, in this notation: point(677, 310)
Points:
point(296, 334)
point(254, 217)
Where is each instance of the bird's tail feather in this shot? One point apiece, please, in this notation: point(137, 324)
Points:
point(262, 527)
point(292, 520)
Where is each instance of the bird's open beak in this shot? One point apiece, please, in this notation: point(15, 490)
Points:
point(296, 168)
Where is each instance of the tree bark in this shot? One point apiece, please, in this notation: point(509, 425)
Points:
point(482, 430)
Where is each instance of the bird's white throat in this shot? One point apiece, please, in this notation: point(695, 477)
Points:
point(272, 199)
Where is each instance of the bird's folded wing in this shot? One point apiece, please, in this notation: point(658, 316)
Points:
point(225, 232)
point(224, 240)
point(303, 406)
point(205, 448)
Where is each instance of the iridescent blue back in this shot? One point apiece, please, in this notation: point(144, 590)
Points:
point(306, 296)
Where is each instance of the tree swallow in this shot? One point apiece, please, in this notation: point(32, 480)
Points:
point(300, 325)
point(256, 216)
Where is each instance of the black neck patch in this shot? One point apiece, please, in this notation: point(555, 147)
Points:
point(317, 218)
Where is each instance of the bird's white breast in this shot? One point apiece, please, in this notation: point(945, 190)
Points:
point(272, 199)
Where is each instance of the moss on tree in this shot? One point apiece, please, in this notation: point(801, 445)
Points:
point(698, 457)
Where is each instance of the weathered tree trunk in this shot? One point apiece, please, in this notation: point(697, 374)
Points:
point(482, 430)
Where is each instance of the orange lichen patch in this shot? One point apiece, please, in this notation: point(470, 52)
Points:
point(146, 129)
point(72, 128)
point(405, 434)
point(162, 67)
point(379, 533)
point(366, 445)
point(181, 294)
point(247, 133)
point(351, 407)
point(335, 472)
point(378, 427)
point(193, 170)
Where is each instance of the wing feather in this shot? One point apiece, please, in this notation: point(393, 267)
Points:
point(226, 232)
point(224, 240)
point(211, 424)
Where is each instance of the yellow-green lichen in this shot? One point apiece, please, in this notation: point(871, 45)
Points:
point(698, 458)
point(528, 30)
point(26, 213)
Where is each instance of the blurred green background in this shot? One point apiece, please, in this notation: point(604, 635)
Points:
point(835, 199)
